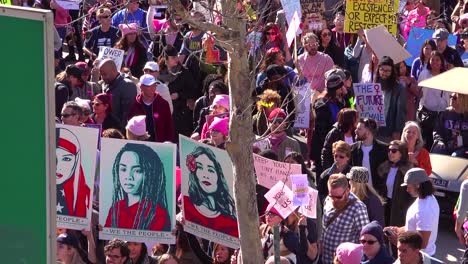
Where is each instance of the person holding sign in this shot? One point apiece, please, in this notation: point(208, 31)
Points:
point(209, 202)
point(73, 193)
point(394, 98)
point(104, 35)
point(139, 200)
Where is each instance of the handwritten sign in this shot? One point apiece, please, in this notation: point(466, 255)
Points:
point(269, 172)
point(310, 210)
point(300, 189)
point(5, 2)
point(312, 14)
point(280, 196)
point(416, 39)
point(367, 14)
point(369, 102)
point(116, 55)
point(303, 95)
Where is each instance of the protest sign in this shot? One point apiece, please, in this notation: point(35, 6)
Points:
point(416, 39)
point(280, 197)
point(300, 189)
point(368, 99)
point(269, 172)
point(384, 44)
point(303, 95)
point(76, 150)
point(310, 210)
point(290, 7)
point(207, 193)
point(69, 4)
point(367, 14)
point(293, 29)
point(312, 14)
point(448, 81)
point(116, 55)
point(137, 191)
point(5, 2)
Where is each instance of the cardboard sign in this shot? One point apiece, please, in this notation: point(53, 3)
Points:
point(367, 14)
point(69, 4)
point(269, 172)
point(369, 102)
point(384, 44)
point(137, 191)
point(300, 189)
point(208, 193)
point(116, 55)
point(76, 150)
point(293, 29)
point(416, 39)
point(312, 15)
point(310, 210)
point(281, 197)
point(303, 95)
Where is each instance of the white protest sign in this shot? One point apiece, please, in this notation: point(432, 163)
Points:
point(384, 44)
point(303, 95)
point(300, 189)
point(116, 55)
point(269, 172)
point(280, 196)
point(69, 4)
point(369, 102)
point(310, 210)
point(293, 29)
point(291, 7)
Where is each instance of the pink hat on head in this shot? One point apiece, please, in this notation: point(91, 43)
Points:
point(276, 113)
point(221, 125)
point(137, 125)
point(272, 209)
point(128, 28)
point(349, 253)
point(221, 100)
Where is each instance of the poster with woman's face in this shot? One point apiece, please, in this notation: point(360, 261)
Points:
point(207, 193)
point(76, 151)
point(137, 191)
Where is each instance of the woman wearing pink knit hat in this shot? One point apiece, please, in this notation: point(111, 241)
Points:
point(135, 53)
point(219, 130)
point(348, 253)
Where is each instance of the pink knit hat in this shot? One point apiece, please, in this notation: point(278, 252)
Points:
point(221, 100)
point(137, 125)
point(349, 253)
point(221, 125)
point(128, 28)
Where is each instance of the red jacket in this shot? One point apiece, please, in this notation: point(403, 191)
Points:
point(163, 124)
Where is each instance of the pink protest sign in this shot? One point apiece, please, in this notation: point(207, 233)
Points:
point(280, 196)
point(269, 172)
point(369, 101)
point(310, 210)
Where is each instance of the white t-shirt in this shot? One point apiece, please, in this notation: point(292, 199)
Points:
point(349, 140)
point(423, 215)
point(391, 181)
point(366, 161)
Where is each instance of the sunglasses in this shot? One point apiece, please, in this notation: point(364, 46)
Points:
point(339, 156)
point(104, 17)
point(326, 34)
point(67, 115)
point(337, 197)
point(393, 150)
point(369, 242)
point(271, 33)
point(312, 44)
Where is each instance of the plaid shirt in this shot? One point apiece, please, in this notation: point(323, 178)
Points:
point(345, 228)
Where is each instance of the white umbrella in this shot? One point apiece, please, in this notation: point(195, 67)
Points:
point(454, 80)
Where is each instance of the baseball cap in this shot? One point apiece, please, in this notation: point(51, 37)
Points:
point(147, 80)
point(415, 176)
point(152, 66)
point(358, 174)
point(334, 79)
point(440, 34)
point(68, 239)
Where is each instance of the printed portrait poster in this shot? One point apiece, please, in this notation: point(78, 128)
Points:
point(76, 150)
point(207, 193)
point(137, 192)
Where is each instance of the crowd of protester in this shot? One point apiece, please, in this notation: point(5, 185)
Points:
point(376, 203)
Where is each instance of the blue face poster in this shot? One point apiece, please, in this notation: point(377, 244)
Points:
point(137, 194)
point(76, 150)
point(416, 39)
point(207, 191)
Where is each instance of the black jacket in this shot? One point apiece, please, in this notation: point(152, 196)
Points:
point(333, 136)
point(377, 156)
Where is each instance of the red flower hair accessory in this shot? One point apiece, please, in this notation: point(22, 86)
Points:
point(191, 163)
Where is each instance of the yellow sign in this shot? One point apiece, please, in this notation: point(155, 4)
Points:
point(367, 14)
point(5, 2)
